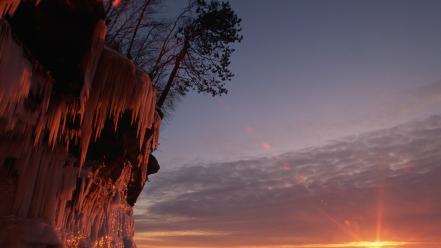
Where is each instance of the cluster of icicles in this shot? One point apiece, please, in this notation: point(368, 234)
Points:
point(52, 197)
point(53, 207)
point(112, 86)
point(9, 6)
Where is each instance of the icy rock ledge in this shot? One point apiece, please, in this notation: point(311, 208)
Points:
point(60, 184)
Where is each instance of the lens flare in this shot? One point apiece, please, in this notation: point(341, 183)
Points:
point(115, 3)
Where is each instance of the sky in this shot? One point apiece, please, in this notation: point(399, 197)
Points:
point(302, 150)
point(383, 185)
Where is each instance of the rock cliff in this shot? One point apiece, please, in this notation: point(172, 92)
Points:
point(77, 128)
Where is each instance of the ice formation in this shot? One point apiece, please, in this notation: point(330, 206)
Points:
point(8, 6)
point(15, 71)
point(54, 191)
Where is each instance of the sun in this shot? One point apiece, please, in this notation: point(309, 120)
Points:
point(377, 244)
point(373, 245)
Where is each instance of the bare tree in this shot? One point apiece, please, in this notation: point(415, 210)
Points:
point(190, 52)
point(132, 30)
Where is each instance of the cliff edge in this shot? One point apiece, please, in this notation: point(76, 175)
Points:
point(77, 128)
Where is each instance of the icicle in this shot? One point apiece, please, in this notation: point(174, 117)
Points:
point(8, 6)
point(92, 58)
point(15, 71)
point(117, 87)
point(47, 186)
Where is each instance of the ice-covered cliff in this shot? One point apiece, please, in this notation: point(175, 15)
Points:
point(77, 128)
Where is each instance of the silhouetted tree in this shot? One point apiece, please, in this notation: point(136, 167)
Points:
point(132, 30)
point(191, 52)
point(203, 58)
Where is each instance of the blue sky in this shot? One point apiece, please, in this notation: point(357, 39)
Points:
point(308, 72)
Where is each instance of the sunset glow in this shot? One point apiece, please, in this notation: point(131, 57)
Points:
point(377, 244)
point(362, 244)
point(220, 123)
point(330, 146)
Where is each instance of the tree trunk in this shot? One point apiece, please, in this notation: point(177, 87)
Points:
point(144, 8)
point(167, 88)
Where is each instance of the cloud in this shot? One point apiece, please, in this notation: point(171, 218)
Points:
point(328, 194)
point(423, 99)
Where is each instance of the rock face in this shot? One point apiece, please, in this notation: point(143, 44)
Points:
point(77, 128)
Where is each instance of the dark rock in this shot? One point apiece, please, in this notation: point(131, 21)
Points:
point(57, 33)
